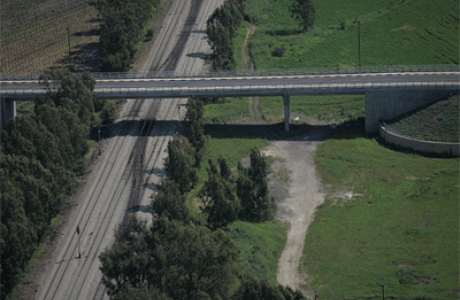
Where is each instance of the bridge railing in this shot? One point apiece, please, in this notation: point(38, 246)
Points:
point(274, 72)
point(245, 90)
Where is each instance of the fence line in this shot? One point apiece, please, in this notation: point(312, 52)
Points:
point(272, 72)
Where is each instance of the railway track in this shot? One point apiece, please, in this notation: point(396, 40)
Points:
point(119, 183)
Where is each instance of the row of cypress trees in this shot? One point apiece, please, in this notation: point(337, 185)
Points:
point(122, 29)
point(38, 158)
point(221, 28)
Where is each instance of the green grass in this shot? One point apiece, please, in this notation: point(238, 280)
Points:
point(236, 109)
point(401, 230)
point(438, 122)
point(323, 108)
point(397, 34)
point(412, 32)
point(261, 245)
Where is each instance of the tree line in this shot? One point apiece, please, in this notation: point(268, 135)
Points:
point(221, 28)
point(123, 26)
point(187, 257)
point(40, 155)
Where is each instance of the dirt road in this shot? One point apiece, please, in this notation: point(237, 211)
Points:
point(297, 210)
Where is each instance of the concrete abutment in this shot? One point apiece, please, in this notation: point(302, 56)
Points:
point(7, 111)
point(389, 105)
point(287, 111)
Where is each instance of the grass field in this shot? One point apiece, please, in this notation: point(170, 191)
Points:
point(411, 32)
point(392, 33)
point(438, 122)
point(400, 229)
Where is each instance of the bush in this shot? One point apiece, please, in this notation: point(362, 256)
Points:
point(279, 51)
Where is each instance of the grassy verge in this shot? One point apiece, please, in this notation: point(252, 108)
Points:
point(438, 122)
point(261, 245)
point(400, 229)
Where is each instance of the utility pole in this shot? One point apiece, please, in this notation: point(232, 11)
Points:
point(78, 242)
point(359, 44)
point(68, 39)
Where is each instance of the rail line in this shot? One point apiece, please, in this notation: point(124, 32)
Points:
point(138, 143)
point(82, 219)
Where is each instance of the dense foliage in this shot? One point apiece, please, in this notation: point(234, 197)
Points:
point(180, 261)
point(180, 164)
point(38, 156)
point(122, 29)
point(252, 189)
point(253, 289)
point(218, 193)
point(304, 11)
point(221, 28)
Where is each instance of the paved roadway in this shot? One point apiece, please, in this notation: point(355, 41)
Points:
point(127, 171)
point(256, 85)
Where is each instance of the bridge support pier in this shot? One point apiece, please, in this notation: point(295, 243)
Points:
point(287, 111)
point(389, 105)
point(7, 111)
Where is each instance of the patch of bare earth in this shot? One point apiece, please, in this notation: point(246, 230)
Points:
point(297, 198)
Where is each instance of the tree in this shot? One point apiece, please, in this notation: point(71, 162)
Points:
point(218, 193)
point(304, 11)
point(170, 201)
point(180, 261)
point(193, 125)
point(252, 189)
point(180, 163)
point(221, 28)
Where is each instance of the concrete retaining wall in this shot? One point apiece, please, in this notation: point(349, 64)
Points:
point(389, 105)
point(7, 111)
point(428, 147)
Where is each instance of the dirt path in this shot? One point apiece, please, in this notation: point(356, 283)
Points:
point(297, 210)
point(254, 102)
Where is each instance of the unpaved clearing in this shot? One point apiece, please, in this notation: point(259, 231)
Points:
point(297, 209)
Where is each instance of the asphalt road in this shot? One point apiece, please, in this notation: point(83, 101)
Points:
point(131, 161)
point(254, 85)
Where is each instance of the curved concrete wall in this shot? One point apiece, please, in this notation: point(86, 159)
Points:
point(439, 148)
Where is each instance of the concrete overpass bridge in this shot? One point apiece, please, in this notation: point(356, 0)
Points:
point(389, 93)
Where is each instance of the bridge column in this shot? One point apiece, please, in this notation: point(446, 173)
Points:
point(287, 111)
point(389, 105)
point(7, 111)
